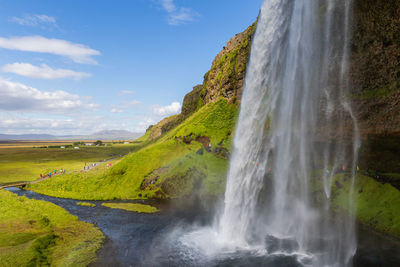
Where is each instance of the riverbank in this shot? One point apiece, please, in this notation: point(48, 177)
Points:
point(39, 233)
point(155, 239)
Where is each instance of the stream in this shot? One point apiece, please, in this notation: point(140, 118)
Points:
point(134, 239)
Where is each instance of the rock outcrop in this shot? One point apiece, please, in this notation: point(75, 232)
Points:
point(375, 77)
point(226, 76)
point(224, 79)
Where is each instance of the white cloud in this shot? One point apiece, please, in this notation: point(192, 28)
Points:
point(143, 125)
point(12, 123)
point(29, 124)
point(168, 5)
point(79, 53)
point(174, 108)
point(127, 104)
point(125, 92)
point(43, 72)
point(19, 97)
point(35, 20)
point(177, 15)
point(124, 106)
point(115, 110)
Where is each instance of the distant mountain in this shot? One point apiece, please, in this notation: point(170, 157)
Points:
point(27, 137)
point(109, 135)
point(102, 135)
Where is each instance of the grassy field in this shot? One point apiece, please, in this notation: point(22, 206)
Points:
point(27, 163)
point(39, 233)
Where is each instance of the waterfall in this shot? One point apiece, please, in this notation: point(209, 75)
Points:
point(295, 130)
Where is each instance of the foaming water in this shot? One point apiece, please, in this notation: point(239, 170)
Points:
point(295, 131)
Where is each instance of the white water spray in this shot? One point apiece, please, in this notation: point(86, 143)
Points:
point(295, 130)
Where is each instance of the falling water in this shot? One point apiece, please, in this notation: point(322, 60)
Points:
point(295, 130)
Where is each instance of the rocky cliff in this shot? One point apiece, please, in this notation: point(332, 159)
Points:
point(375, 77)
point(226, 75)
point(223, 80)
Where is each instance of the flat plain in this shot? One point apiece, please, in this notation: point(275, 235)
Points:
point(25, 161)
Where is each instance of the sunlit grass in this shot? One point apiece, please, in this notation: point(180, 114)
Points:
point(135, 207)
point(185, 167)
point(85, 204)
point(26, 164)
point(39, 233)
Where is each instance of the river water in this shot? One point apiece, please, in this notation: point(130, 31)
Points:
point(135, 239)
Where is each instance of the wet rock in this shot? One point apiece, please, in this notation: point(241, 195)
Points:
point(274, 244)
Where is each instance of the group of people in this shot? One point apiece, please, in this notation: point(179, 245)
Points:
point(89, 166)
point(61, 171)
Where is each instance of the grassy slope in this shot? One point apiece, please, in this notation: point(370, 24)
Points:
point(38, 233)
point(183, 166)
point(26, 164)
point(377, 205)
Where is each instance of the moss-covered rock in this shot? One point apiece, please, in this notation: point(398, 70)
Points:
point(226, 76)
point(376, 204)
point(193, 101)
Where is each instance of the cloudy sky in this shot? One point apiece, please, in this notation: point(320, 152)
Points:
point(76, 67)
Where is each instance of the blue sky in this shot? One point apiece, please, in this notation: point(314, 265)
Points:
point(76, 67)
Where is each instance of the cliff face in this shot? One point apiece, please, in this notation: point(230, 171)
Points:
point(226, 76)
point(224, 79)
point(375, 66)
point(375, 76)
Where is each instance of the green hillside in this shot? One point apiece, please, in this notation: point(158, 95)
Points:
point(170, 166)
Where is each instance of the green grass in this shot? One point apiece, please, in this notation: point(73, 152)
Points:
point(26, 164)
point(39, 233)
point(125, 179)
point(377, 205)
point(135, 207)
point(86, 204)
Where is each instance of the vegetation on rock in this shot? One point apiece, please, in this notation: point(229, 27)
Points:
point(376, 204)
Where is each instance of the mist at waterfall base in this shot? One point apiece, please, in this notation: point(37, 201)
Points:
point(295, 130)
